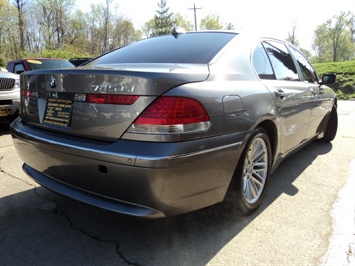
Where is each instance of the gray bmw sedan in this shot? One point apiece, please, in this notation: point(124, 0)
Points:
point(170, 124)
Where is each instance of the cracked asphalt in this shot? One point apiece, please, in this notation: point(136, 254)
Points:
point(307, 218)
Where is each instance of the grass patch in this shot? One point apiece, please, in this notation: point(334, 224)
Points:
point(344, 85)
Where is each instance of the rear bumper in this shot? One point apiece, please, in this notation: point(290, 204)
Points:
point(91, 198)
point(137, 178)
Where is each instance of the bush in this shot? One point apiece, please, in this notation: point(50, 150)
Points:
point(335, 67)
point(63, 53)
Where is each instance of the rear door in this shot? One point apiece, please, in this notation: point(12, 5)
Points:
point(277, 70)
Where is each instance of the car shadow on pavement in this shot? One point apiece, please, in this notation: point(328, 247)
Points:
point(41, 227)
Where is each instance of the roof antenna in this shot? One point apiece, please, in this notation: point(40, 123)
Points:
point(177, 31)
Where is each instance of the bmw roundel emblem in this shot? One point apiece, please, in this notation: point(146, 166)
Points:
point(53, 82)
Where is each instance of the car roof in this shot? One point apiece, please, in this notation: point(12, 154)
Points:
point(37, 58)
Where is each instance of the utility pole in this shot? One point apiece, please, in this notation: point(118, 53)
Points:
point(194, 9)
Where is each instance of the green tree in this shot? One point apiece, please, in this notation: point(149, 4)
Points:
point(321, 45)
point(307, 53)
point(339, 32)
point(19, 4)
point(76, 37)
point(9, 31)
point(183, 22)
point(230, 26)
point(94, 26)
point(211, 22)
point(292, 38)
point(352, 30)
point(53, 17)
point(5, 27)
point(333, 39)
point(124, 33)
point(106, 27)
point(163, 20)
point(55, 28)
point(148, 28)
point(34, 35)
point(2, 61)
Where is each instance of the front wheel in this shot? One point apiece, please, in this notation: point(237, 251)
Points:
point(252, 172)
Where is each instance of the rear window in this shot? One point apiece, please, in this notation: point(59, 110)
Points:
point(189, 48)
point(36, 64)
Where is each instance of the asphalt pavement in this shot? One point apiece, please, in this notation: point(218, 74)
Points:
point(307, 218)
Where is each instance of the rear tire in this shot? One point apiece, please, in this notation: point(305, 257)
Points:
point(332, 126)
point(252, 173)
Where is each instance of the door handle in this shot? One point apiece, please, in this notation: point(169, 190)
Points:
point(280, 94)
point(313, 92)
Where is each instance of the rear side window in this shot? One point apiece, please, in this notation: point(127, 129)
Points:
point(193, 48)
point(307, 70)
point(19, 68)
point(281, 61)
point(262, 64)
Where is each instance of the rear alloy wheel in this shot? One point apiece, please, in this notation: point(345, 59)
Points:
point(253, 172)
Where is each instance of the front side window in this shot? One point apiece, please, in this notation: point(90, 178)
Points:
point(307, 70)
point(262, 64)
point(281, 61)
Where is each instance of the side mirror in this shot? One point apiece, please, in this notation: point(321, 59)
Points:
point(328, 78)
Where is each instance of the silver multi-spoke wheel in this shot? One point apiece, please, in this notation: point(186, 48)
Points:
point(255, 170)
point(252, 172)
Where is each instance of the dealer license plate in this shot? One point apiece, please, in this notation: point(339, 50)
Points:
point(58, 112)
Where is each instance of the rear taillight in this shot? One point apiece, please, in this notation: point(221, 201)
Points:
point(172, 115)
point(26, 93)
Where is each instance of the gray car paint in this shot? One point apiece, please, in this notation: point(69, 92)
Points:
point(98, 162)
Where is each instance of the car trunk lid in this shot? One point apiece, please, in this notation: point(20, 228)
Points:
point(100, 102)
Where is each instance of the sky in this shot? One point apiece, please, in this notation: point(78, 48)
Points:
point(272, 18)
